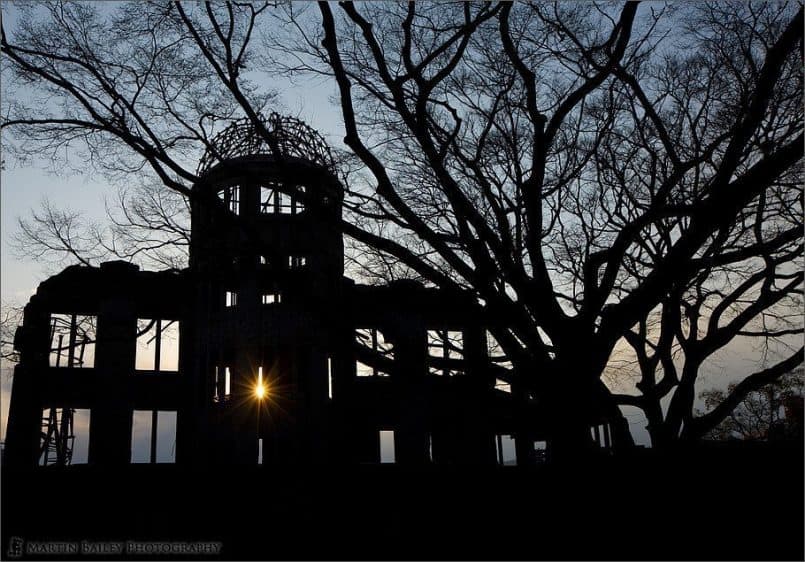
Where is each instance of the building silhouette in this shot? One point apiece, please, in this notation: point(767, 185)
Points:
point(261, 351)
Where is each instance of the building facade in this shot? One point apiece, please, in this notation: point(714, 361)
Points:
point(261, 351)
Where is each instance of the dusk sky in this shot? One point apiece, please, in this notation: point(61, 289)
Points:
point(24, 186)
point(425, 280)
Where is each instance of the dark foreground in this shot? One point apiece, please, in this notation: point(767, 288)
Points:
point(724, 504)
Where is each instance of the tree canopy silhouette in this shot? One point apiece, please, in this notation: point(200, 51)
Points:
point(590, 173)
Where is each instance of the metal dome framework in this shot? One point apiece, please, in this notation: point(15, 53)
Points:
point(287, 137)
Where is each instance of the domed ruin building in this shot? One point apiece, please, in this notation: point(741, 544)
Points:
point(261, 351)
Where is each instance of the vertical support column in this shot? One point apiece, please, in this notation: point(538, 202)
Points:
point(25, 407)
point(154, 433)
point(411, 441)
point(479, 442)
point(341, 446)
point(198, 360)
point(244, 406)
point(313, 370)
point(523, 445)
point(247, 317)
point(110, 422)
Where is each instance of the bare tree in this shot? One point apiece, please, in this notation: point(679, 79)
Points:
point(146, 224)
point(748, 283)
point(762, 414)
point(749, 291)
point(10, 318)
point(574, 167)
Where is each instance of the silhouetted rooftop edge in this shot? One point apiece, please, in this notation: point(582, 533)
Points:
point(284, 137)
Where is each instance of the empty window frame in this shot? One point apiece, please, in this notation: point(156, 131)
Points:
point(230, 299)
point(274, 201)
point(153, 436)
point(503, 386)
point(445, 352)
point(330, 378)
point(274, 297)
point(157, 345)
point(296, 262)
point(64, 437)
point(601, 435)
point(373, 350)
point(223, 384)
point(540, 451)
point(231, 198)
point(505, 450)
point(72, 340)
point(387, 452)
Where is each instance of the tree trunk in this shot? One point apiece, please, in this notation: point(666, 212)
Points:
point(570, 440)
point(572, 407)
point(622, 439)
point(577, 401)
point(658, 430)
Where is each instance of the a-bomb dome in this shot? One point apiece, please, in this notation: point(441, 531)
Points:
point(282, 137)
